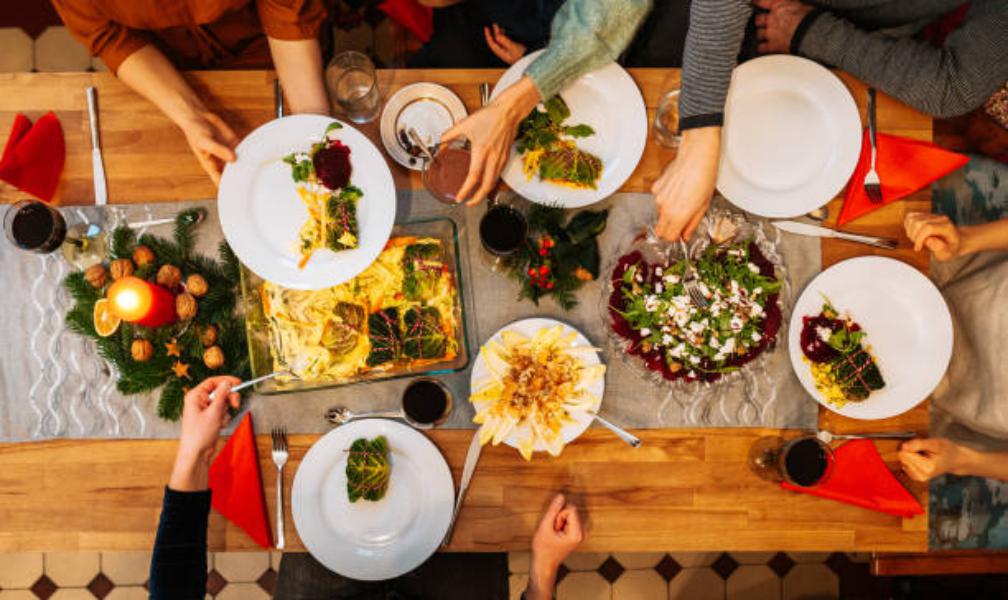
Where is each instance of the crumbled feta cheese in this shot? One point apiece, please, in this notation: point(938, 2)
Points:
point(667, 340)
point(672, 278)
point(753, 268)
point(677, 352)
point(658, 271)
point(755, 310)
point(824, 333)
point(694, 359)
point(645, 332)
point(696, 327)
point(736, 323)
point(729, 346)
point(714, 343)
point(658, 287)
point(757, 291)
point(756, 336)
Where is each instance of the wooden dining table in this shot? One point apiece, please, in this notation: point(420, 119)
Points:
point(683, 489)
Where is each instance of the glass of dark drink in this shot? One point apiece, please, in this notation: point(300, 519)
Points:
point(448, 171)
point(805, 461)
point(502, 230)
point(426, 403)
point(35, 226)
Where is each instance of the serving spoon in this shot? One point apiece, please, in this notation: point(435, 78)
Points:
point(827, 437)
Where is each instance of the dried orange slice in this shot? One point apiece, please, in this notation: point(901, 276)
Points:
point(106, 322)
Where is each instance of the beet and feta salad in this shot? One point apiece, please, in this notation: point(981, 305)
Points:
point(843, 367)
point(322, 175)
point(651, 309)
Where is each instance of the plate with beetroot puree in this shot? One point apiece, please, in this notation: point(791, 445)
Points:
point(907, 324)
point(261, 213)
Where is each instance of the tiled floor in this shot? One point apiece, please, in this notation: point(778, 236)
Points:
point(584, 576)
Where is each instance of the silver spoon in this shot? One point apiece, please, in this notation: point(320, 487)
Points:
point(340, 415)
point(241, 386)
point(827, 437)
point(623, 434)
point(415, 137)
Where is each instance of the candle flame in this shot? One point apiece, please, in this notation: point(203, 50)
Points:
point(127, 300)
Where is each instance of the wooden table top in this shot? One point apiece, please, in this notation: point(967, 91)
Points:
point(684, 489)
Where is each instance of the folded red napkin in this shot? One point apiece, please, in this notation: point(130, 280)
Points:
point(419, 20)
point(860, 477)
point(33, 157)
point(236, 482)
point(903, 165)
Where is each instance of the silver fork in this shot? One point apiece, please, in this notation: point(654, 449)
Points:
point(690, 282)
point(279, 435)
point(872, 183)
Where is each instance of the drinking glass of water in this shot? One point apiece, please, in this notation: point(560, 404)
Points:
point(354, 83)
point(666, 124)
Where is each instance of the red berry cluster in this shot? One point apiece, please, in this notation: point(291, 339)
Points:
point(541, 276)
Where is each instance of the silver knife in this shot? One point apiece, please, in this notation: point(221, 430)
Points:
point(97, 166)
point(824, 232)
point(468, 468)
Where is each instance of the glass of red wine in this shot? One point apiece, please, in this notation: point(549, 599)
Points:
point(803, 461)
point(426, 403)
point(34, 226)
point(445, 174)
point(503, 230)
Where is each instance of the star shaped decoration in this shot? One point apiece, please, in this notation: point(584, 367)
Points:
point(180, 369)
point(173, 348)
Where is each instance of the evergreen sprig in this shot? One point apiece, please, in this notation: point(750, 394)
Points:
point(216, 308)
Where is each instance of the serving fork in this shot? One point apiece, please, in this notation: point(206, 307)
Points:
point(279, 435)
point(872, 183)
point(691, 281)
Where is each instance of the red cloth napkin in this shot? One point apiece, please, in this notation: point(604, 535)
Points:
point(33, 157)
point(419, 20)
point(237, 486)
point(903, 165)
point(860, 477)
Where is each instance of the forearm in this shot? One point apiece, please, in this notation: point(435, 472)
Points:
point(586, 35)
point(982, 464)
point(151, 75)
point(542, 581)
point(984, 238)
point(299, 66)
point(712, 46)
point(178, 563)
point(943, 82)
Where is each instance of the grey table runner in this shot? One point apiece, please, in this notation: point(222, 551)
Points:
point(54, 385)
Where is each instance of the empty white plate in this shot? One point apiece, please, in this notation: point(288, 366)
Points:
point(261, 213)
point(791, 137)
point(365, 540)
point(906, 323)
point(608, 100)
point(429, 108)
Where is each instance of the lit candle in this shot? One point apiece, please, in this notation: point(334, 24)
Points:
point(141, 302)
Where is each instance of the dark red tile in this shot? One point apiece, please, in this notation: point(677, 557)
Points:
point(781, 564)
point(215, 582)
point(725, 565)
point(839, 563)
point(43, 588)
point(100, 586)
point(268, 581)
point(668, 568)
point(610, 569)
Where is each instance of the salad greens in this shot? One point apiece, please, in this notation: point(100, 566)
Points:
point(548, 150)
point(368, 469)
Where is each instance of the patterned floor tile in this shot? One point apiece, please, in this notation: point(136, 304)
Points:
point(242, 591)
point(809, 557)
point(129, 592)
point(753, 581)
point(668, 567)
point(753, 558)
point(267, 581)
point(17, 595)
point(611, 569)
point(639, 560)
point(18, 50)
point(71, 569)
point(695, 559)
point(56, 51)
point(584, 585)
point(72, 594)
point(811, 581)
point(781, 564)
point(640, 584)
point(696, 584)
point(215, 583)
point(725, 565)
point(275, 560)
point(126, 568)
point(20, 570)
point(516, 586)
point(100, 586)
point(241, 567)
point(585, 561)
point(43, 588)
point(518, 562)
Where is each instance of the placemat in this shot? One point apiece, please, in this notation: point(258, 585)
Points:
point(54, 385)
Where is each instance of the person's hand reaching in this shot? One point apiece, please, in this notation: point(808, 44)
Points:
point(937, 233)
point(685, 189)
point(559, 533)
point(491, 130)
point(202, 420)
point(926, 458)
point(211, 140)
point(776, 27)
point(501, 45)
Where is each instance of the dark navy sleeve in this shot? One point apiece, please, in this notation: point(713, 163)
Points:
point(179, 562)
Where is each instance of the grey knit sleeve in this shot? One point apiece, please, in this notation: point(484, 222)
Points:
point(586, 34)
point(941, 81)
point(715, 35)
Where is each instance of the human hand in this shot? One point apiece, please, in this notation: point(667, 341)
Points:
point(937, 233)
point(925, 458)
point(504, 47)
point(491, 130)
point(211, 140)
point(776, 27)
point(202, 420)
point(685, 189)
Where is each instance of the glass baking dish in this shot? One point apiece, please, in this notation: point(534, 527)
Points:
point(257, 327)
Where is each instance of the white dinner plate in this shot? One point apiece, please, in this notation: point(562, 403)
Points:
point(261, 213)
point(791, 138)
point(373, 540)
point(429, 108)
point(608, 100)
point(906, 323)
point(528, 328)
